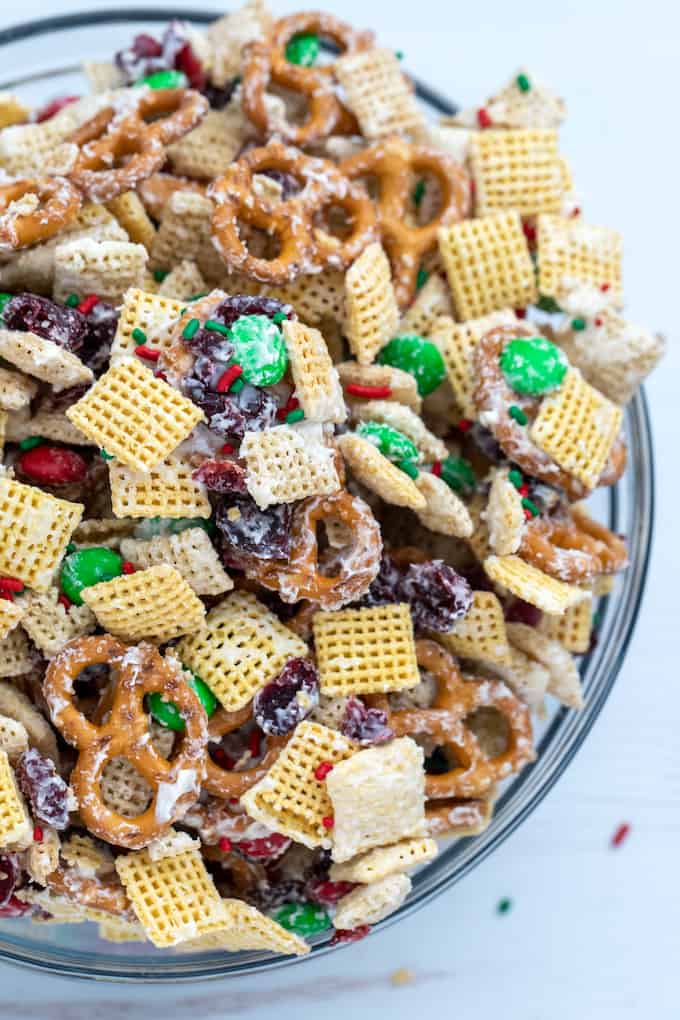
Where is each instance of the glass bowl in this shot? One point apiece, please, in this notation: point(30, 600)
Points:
point(41, 59)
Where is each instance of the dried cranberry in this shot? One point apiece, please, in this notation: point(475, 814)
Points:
point(385, 586)
point(102, 321)
point(223, 476)
point(147, 54)
point(272, 845)
point(261, 533)
point(233, 307)
point(187, 61)
point(252, 410)
point(485, 442)
point(17, 908)
point(365, 726)
point(326, 892)
point(288, 698)
point(219, 97)
point(268, 894)
point(145, 45)
point(519, 611)
point(44, 788)
point(9, 876)
point(350, 934)
point(33, 314)
point(52, 465)
point(52, 108)
point(437, 594)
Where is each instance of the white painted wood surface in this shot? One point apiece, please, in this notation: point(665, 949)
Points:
point(593, 934)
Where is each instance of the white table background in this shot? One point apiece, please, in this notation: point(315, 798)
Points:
point(593, 933)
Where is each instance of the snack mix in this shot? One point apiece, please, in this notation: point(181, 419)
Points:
point(302, 396)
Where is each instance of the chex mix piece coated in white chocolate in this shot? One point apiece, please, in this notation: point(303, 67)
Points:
point(299, 406)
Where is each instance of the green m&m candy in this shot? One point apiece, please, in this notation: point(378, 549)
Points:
point(165, 80)
point(458, 474)
point(260, 349)
point(302, 918)
point(303, 49)
point(392, 444)
point(419, 357)
point(85, 567)
point(167, 712)
point(5, 298)
point(533, 365)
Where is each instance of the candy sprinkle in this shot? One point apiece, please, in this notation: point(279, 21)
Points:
point(296, 415)
point(368, 392)
point(578, 325)
point(191, 329)
point(483, 118)
point(279, 317)
point(225, 845)
point(147, 353)
point(504, 906)
point(72, 301)
point(38, 834)
point(322, 770)
point(421, 278)
point(515, 477)
point(328, 822)
point(106, 456)
point(437, 469)
point(86, 306)
point(216, 327)
point(517, 414)
point(138, 335)
point(228, 377)
point(523, 83)
point(30, 442)
point(160, 274)
point(620, 836)
point(409, 468)
point(530, 506)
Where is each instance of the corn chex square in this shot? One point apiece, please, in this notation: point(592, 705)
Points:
point(289, 799)
point(371, 903)
point(43, 359)
point(481, 634)
point(50, 625)
point(317, 385)
point(504, 515)
point(516, 107)
point(445, 512)
point(316, 297)
point(488, 264)
point(576, 425)
point(564, 680)
point(380, 475)
point(378, 93)
point(35, 529)
point(156, 603)
point(431, 301)
point(183, 281)
point(10, 615)
point(532, 585)
point(166, 490)
point(16, 390)
point(15, 654)
point(150, 316)
point(571, 252)
point(519, 170)
point(241, 647)
point(134, 416)
point(191, 553)
point(573, 628)
point(285, 464)
point(183, 231)
point(13, 738)
point(378, 798)
point(133, 218)
point(366, 651)
point(105, 268)
point(248, 928)
point(15, 825)
point(207, 150)
point(372, 315)
point(384, 861)
point(175, 899)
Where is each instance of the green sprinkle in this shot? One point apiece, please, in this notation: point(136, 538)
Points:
point(408, 467)
point(138, 335)
point(293, 416)
point(160, 274)
point(216, 327)
point(504, 906)
point(164, 80)
point(399, 54)
point(279, 317)
point(72, 300)
point(419, 193)
point(578, 324)
point(518, 414)
point(515, 477)
point(237, 385)
point(106, 456)
point(191, 329)
point(523, 83)
point(548, 304)
point(70, 548)
point(30, 442)
point(530, 506)
point(303, 49)
point(421, 278)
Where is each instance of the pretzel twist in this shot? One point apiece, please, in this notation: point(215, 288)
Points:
point(226, 782)
point(396, 165)
point(304, 245)
point(572, 547)
point(473, 774)
point(266, 64)
point(54, 204)
point(125, 733)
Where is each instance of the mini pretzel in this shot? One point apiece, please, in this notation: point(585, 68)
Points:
point(343, 574)
point(266, 64)
point(117, 150)
point(224, 782)
point(572, 547)
point(493, 398)
point(396, 165)
point(157, 190)
point(56, 201)
point(93, 892)
point(456, 698)
point(125, 734)
point(304, 245)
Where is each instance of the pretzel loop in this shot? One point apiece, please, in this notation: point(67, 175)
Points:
point(54, 205)
point(124, 732)
point(226, 782)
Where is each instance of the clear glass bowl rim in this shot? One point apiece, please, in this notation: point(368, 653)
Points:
point(558, 745)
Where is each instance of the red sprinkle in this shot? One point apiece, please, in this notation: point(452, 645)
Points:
point(521, 313)
point(37, 834)
point(64, 601)
point(228, 377)
point(527, 514)
point(350, 934)
point(87, 304)
point(127, 567)
point(368, 392)
point(225, 845)
point(621, 835)
point(322, 770)
point(227, 448)
point(54, 107)
point(605, 287)
point(598, 321)
point(291, 405)
point(576, 211)
point(523, 489)
point(147, 353)
point(437, 468)
point(529, 232)
point(483, 118)
point(328, 822)
point(11, 584)
point(255, 742)
point(464, 424)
